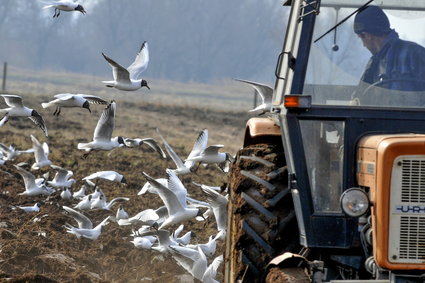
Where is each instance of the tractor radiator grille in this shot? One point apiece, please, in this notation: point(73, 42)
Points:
point(413, 181)
point(412, 240)
point(407, 211)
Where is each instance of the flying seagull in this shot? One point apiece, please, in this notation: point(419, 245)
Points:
point(64, 5)
point(73, 100)
point(17, 109)
point(85, 226)
point(41, 154)
point(129, 79)
point(266, 94)
point(102, 137)
point(198, 147)
point(32, 186)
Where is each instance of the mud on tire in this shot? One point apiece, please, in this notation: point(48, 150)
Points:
point(261, 218)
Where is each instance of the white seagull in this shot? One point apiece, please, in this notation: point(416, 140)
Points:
point(266, 94)
point(41, 154)
point(107, 175)
point(210, 155)
point(64, 5)
point(32, 208)
point(148, 188)
point(85, 203)
point(101, 203)
point(218, 204)
point(66, 194)
point(145, 217)
point(188, 165)
point(129, 79)
point(143, 242)
point(10, 152)
point(85, 226)
point(73, 100)
point(62, 178)
point(81, 193)
point(121, 213)
point(102, 137)
point(149, 141)
point(17, 109)
point(174, 198)
point(33, 188)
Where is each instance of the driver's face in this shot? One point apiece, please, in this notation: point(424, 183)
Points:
point(368, 42)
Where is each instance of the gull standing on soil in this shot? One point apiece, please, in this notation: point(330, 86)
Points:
point(85, 226)
point(66, 194)
point(41, 154)
point(32, 208)
point(62, 178)
point(73, 100)
point(107, 175)
point(129, 79)
point(174, 198)
point(188, 166)
point(10, 152)
point(33, 188)
point(81, 193)
point(102, 137)
point(85, 203)
point(17, 109)
point(149, 141)
point(64, 5)
point(121, 213)
point(266, 94)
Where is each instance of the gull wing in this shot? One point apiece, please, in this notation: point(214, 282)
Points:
point(39, 153)
point(13, 100)
point(154, 145)
point(140, 64)
point(176, 159)
point(115, 200)
point(211, 271)
point(64, 96)
point(200, 144)
point(119, 72)
point(39, 121)
point(93, 99)
point(177, 187)
point(108, 175)
point(29, 178)
point(61, 173)
point(212, 149)
point(218, 203)
point(168, 197)
point(106, 123)
point(82, 220)
point(263, 90)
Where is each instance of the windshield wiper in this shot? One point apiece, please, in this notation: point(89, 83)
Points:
point(343, 20)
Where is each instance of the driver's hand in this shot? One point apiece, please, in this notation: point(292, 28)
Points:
point(355, 101)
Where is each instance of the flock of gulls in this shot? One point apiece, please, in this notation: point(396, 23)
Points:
point(151, 227)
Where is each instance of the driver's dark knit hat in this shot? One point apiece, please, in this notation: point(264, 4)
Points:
point(371, 20)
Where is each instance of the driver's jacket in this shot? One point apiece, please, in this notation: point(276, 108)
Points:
point(400, 65)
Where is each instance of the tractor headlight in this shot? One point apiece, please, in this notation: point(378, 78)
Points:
point(354, 202)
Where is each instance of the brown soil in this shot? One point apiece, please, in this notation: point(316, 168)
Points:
point(34, 247)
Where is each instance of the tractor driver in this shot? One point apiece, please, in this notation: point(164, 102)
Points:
point(395, 64)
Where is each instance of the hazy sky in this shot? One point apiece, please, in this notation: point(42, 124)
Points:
point(189, 40)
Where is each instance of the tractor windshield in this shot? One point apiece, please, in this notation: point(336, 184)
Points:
point(375, 58)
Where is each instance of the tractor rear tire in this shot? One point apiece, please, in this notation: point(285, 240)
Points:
point(261, 220)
